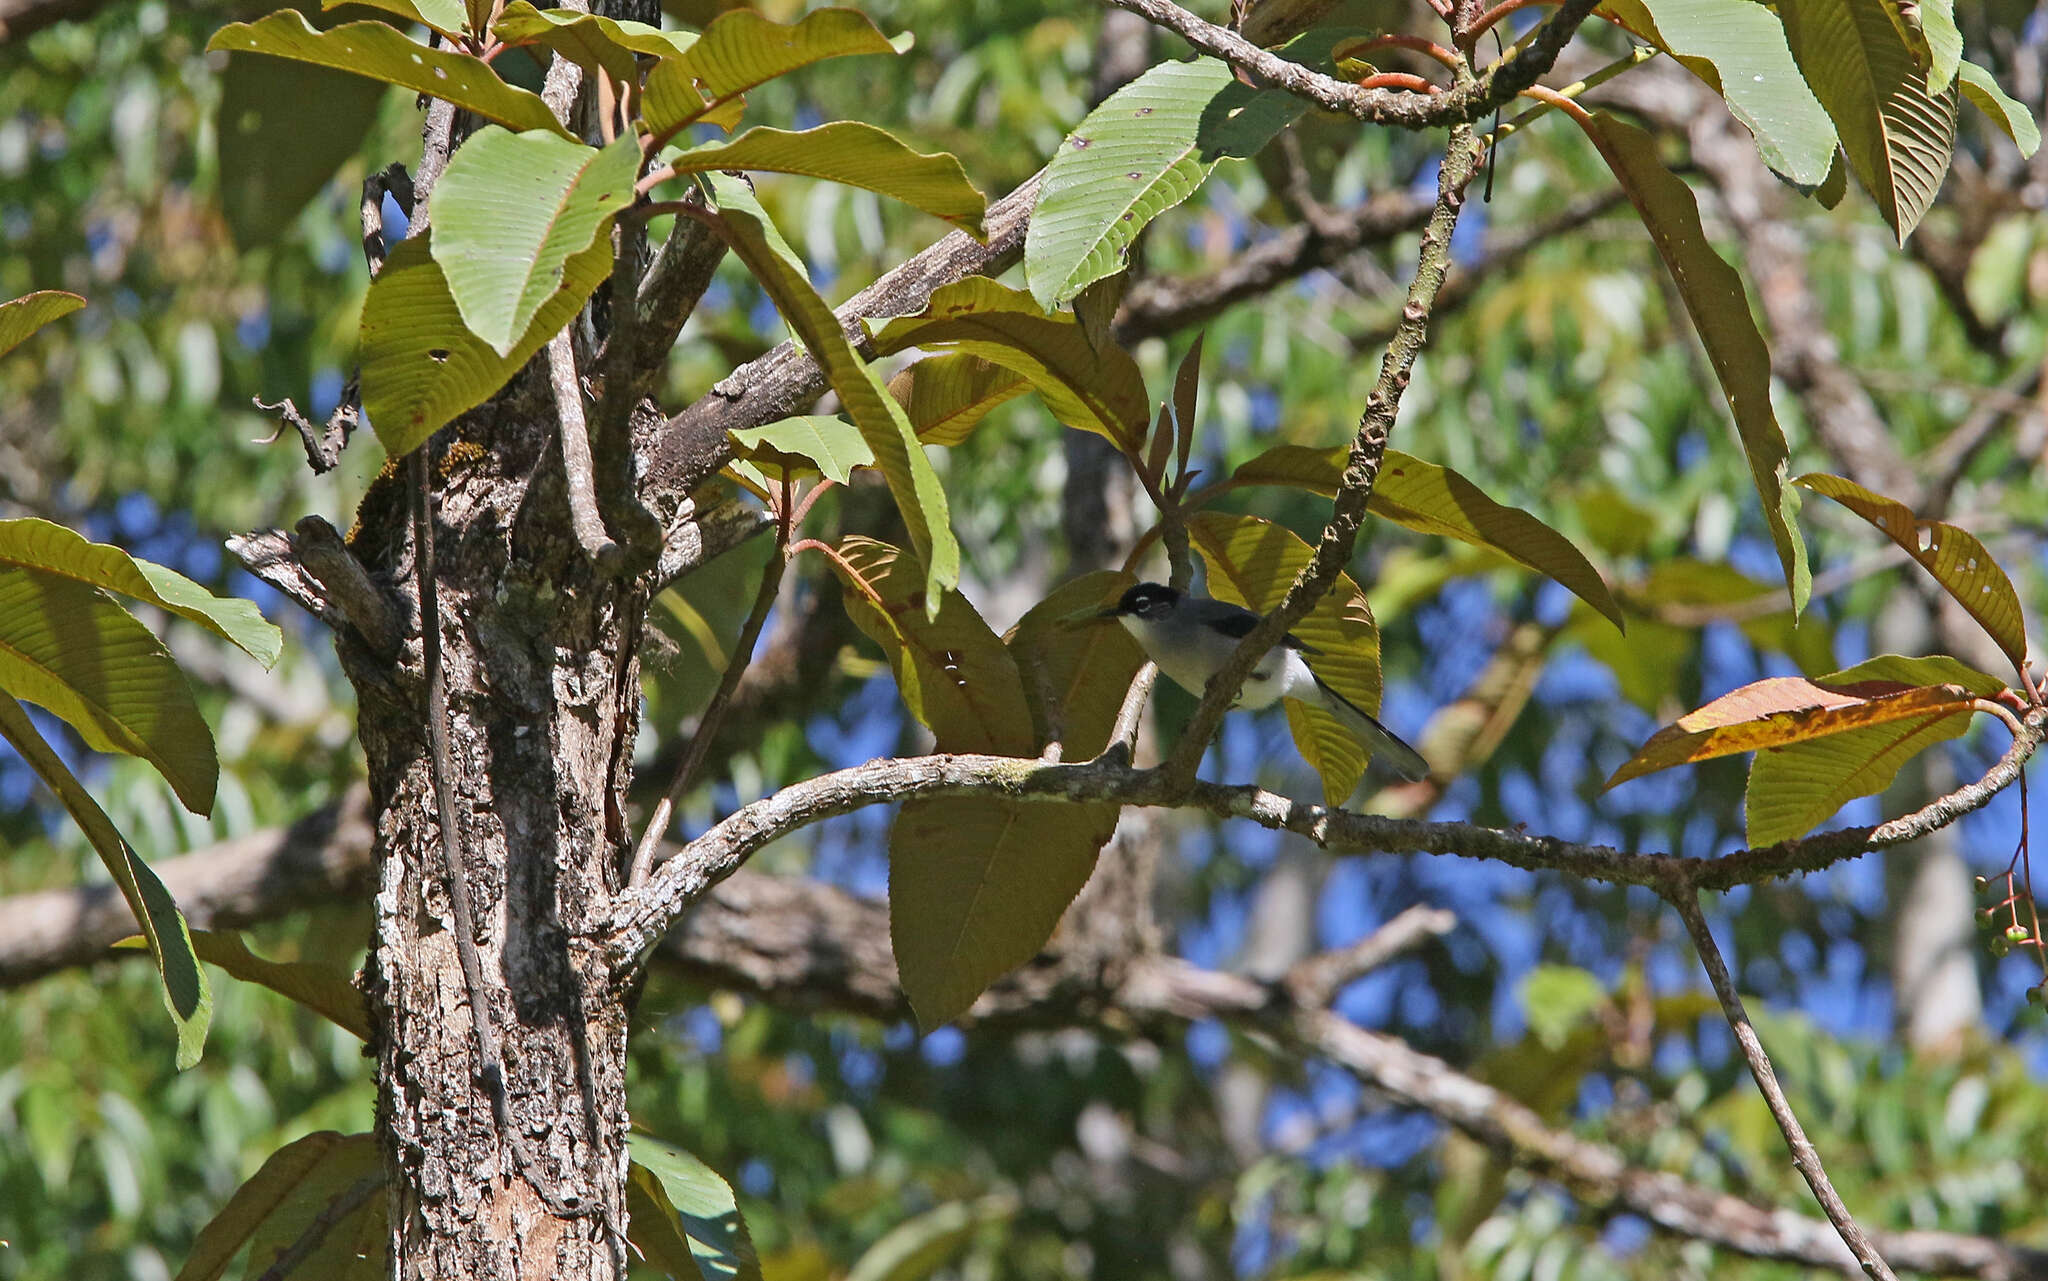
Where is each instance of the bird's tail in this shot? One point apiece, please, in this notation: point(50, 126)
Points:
point(1378, 738)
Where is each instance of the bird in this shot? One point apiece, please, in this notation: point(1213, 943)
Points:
point(1191, 637)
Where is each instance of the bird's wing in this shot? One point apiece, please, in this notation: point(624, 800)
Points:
point(1236, 622)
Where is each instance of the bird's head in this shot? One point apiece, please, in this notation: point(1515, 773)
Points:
point(1146, 600)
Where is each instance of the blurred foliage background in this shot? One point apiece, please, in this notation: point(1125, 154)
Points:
point(1561, 382)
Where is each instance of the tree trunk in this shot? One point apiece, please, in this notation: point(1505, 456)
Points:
point(539, 652)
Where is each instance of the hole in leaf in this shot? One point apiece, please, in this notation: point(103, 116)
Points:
point(439, 355)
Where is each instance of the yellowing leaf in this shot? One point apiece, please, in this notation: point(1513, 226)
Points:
point(954, 673)
point(976, 887)
point(858, 155)
point(1252, 562)
point(1093, 389)
point(1786, 709)
point(946, 397)
point(381, 52)
point(1431, 499)
point(1719, 308)
point(1953, 556)
point(20, 317)
point(741, 49)
point(326, 991)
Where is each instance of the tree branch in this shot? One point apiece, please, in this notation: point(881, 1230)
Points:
point(1469, 101)
point(1804, 1156)
point(639, 919)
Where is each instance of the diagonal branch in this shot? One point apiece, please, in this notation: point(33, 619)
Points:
point(1804, 1156)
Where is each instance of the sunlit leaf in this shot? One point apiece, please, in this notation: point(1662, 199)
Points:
point(449, 17)
point(741, 49)
point(1779, 710)
point(510, 213)
point(1897, 132)
point(68, 648)
point(1431, 499)
point(1738, 48)
point(1953, 556)
point(858, 155)
point(1140, 153)
point(186, 994)
point(831, 446)
point(1719, 308)
point(20, 317)
point(683, 1216)
point(381, 52)
point(954, 673)
point(2005, 111)
point(946, 397)
point(976, 887)
point(898, 453)
point(1098, 390)
point(590, 40)
point(422, 365)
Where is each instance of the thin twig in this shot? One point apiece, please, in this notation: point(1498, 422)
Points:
point(1459, 165)
point(714, 712)
point(1804, 1157)
point(1314, 982)
point(576, 462)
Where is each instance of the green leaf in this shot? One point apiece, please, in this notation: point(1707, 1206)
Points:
point(283, 1173)
point(1996, 280)
point(383, 53)
point(898, 454)
point(976, 887)
point(1720, 313)
point(924, 1243)
point(946, 397)
point(325, 991)
point(68, 648)
point(1944, 42)
point(1075, 677)
point(186, 994)
point(449, 17)
point(1140, 153)
point(1555, 998)
point(1794, 788)
point(1929, 669)
point(591, 41)
point(2005, 112)
point(1738, 48)
point(421, 364)
point(1897, 132)
point(1252, 562)
point(1431, 499)
point(831, 446)
point(858, 155)
point(509, 214)
point(955, 675)
point(1085, 387)
point(741, 49)
point(684, 1217)
point(20, 317)
point(338, 1173)
point(1953, 556)
point(37, 544)
point(274, 154)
